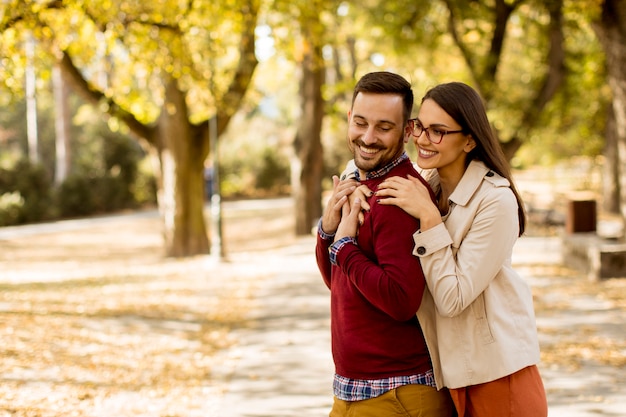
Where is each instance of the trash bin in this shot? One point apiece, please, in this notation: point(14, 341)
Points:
point(581, 216)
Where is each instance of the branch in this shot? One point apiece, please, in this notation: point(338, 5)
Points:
point(19, 17)
point(556, 66)
point(81, 86)
point(233, 97)
point(484, 79)
point(503, 12)
point(467, 56)
point(73, 77)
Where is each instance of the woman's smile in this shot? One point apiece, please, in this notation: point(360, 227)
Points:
point(424, 153)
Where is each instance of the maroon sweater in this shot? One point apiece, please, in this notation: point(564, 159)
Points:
point(376, 289)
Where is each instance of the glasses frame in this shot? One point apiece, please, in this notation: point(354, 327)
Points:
point(414, 126)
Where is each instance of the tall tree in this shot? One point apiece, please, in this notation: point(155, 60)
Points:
point(484, 67)
point(495, 41)
point(307, 143)
point(62, 123)
point(162, 53)
point(31, 100)
point(306, 20)
point(611, 30)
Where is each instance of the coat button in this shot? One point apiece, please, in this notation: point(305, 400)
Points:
point(490, 174)
point(421, 250)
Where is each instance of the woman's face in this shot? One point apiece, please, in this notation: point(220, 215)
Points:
point(451, 151)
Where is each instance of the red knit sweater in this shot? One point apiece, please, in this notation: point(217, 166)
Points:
point(376, 289)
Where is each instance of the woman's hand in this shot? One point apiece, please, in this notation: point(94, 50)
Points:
point(412, 196)
point(349, 225)
point(332, 213)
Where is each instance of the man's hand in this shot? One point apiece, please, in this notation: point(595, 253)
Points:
point(332, 213)
point(349, 224)
point(362, 192)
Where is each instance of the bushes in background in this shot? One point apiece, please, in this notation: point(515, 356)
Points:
point(25, 194)
point(124, 181)
point(28, 196)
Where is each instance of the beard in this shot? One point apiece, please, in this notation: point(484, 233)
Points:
point(379, 159)
point(368, 164)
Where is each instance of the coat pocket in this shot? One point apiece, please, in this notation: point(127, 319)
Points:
point(482, 328)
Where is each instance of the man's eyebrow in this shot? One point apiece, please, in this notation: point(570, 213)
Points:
point(383, 121)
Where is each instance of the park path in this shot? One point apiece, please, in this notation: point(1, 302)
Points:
point(276, 360)
point(282, 365)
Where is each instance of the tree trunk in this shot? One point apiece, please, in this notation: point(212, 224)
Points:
point(484, 70)
point(308, 169)
point(181, 185)
point(62, 124)
point(611, 31)
point(179, 147)
point(611, 168)
point(31, 101)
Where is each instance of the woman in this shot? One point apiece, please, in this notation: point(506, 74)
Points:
point(485, 323)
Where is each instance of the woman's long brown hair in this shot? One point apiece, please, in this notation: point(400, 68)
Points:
point(466, 107)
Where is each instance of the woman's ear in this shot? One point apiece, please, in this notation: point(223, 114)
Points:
point(470, 145)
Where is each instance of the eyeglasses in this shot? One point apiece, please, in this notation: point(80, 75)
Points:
point(433, 134)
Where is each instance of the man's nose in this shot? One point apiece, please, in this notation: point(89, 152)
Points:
point(369, 137)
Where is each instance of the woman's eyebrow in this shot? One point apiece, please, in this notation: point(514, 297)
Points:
point(433, 124)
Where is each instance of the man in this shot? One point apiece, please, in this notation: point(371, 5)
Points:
point(382, 364)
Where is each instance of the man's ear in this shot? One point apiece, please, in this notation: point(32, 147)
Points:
point(407, 132)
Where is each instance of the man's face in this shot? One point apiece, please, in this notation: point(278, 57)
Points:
point(377, 132)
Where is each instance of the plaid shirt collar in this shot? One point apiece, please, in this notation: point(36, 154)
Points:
point(384, 170)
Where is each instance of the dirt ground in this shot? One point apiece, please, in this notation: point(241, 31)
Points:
point(96, 322)
point(97, 312)
point(582, 328)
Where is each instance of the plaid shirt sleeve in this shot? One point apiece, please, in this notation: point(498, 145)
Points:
point(336, 247)
point(324, 235)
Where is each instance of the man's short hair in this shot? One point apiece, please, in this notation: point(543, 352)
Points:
point(384, 82)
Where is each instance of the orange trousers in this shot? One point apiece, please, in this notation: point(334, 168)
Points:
point(520, 394)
